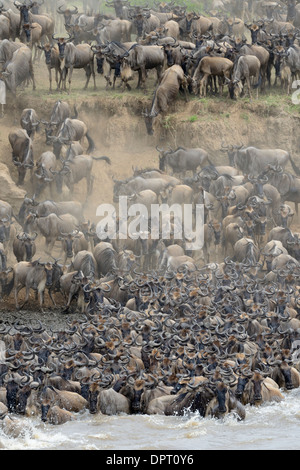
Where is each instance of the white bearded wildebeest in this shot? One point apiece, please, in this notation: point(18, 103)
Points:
point(71, 130)
point(4, 27)
point(246, 67)
point(32, 275)
point(211, 67)
point(45, 208)
point(138, 184)
point(78, 57)
point(29, 121)
point(14, 19)
point(46, 22)
point(253, 161)
point(293, 60)
point(24, 247)
point(43, 175)
point(165, 94)
point(50, 227)
point(60, 112)
point(113, 30)
point(183, 159)
point(22, 152)
point(262, 54)
point(142, 58)
point(52, 61)
point(19, 69)
point(74, 170)
point(7, 48)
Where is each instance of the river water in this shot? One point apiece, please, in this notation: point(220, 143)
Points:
point(274, 426)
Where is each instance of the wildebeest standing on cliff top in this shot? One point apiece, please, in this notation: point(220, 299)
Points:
point(165, 94)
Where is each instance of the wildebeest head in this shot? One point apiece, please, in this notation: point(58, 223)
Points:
point(28, 244)
point(25, 162)
point(67, 240)
point(149, 119)
point(59, 177)
point(24, 10)
point(232, 152)
point(61, 44)
point(235, 88)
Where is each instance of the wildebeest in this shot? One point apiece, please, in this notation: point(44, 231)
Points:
point(24, 247)
point(71, 130)
point(43, 174)
point(262, 54)
point(29, 121)
point(50, 227)
point(46, 22)
point(19, 69)
point(72, 243)
point(70, 287)
point(78, 57)
point(85, 262)
point(106, 258)
point(254, 161)
point(183, 159)
point(165, 94)
point(52, 61)
point(22, 152)
point(246, 67)
point(7, 48)
point(211, 67)
point(31, 275)
point(114, 30)
point(47, 207)
point(255, 389)
point(272, 249)
point(293, 60)
point(138, 183)
point(245, 251)
point(69, 401)
point(74, 170)
point(142, 58)
point(60, 111)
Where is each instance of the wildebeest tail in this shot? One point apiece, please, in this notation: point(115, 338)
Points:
point(91, 146)
point(107, 159)
point(294, 166)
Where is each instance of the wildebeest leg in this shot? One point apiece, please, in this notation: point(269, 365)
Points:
point(64, 78)
point(51, 297)
point(26, 296)
point(139, 78)
point(203, 83)
point(50, 79)
point(60, 79)
point(16, 293)
point(70, 77)
point(49, 245)
point(88, 73)
point(56, 78)
point(93, 73)
point(31, 73)
point(41, 295)
point(249, 87)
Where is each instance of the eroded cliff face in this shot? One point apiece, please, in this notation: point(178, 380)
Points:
point(117, 127)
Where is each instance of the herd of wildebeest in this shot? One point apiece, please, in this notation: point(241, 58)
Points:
point(152, 326)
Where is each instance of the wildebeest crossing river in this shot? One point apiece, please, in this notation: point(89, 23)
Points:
point(268, 427)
